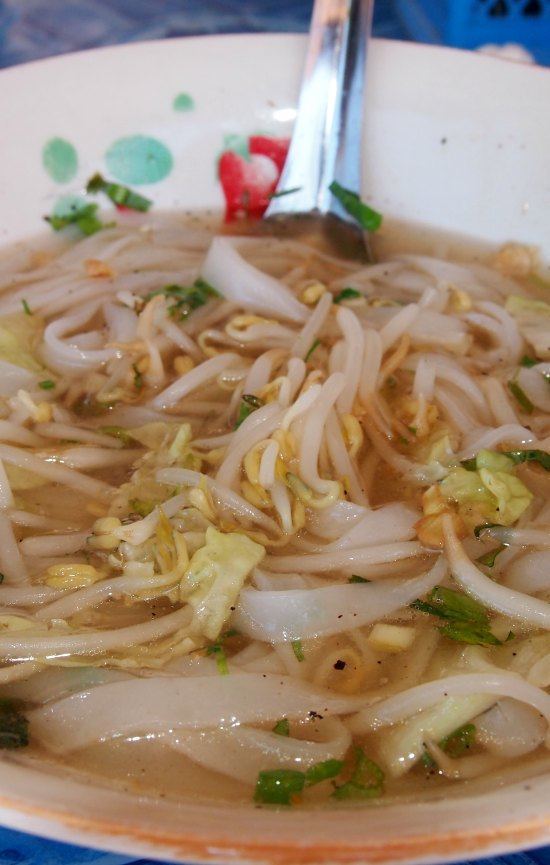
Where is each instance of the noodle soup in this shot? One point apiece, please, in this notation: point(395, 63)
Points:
point(273, 526)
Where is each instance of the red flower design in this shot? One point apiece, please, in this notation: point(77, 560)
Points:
point(249, 183)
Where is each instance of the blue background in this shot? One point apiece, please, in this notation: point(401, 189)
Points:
point(31, 29)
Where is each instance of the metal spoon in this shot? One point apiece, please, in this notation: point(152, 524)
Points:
point(327, 136)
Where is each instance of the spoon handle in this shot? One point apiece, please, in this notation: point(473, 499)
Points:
point(326, 141)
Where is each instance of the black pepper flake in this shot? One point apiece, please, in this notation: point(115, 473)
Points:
point(339, 665)
point(313, 714)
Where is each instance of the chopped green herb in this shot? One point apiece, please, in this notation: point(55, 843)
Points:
point(455, 744)
point(521, 397)
point(47, 384)
point(465, 632)
point(467, 620)
point(284, 192)
point(355, 578)
point(530, 456)
point(367, 218)
point(138, 377)
point(314, 345)
point(26, 308)
point(448, 604)
point(488, 559)
point(322, 771)
point(141, 507)
point(183, 299)
point(282, 727)
point(221, 660)
point(366, 782)
point(14, 727)
point(120, 195)
point(117, 432)
point(83, 216)
point(528, 361)
point(278, 786)
point(469, 465)
point(298, 649)
point(248, 404)
point(346, 294)
point(218, 650)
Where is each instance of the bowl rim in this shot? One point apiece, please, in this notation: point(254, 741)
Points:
point(109, 832)
point(276, 836)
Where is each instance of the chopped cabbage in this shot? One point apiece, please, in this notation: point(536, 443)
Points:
point(512, 495)
point(23, 479)
point(19, 337)
point(533, 320)
point(215, 577)
point(491, 493)
point(493, 461)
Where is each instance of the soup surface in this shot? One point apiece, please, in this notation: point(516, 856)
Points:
point(273, 525)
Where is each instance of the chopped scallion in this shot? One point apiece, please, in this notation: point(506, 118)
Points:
point(284, 192)
point(355, 578)
point(467, 621)
point(83, 216)
point(521, 397)
point(279, 786)
point(298, 650)
point(183, 299)
point(118, 194)
point(367, 218)
point(138, 377)
point(366, 782)
point(26, 308)
point(312, 348)
point(322, 771)
point(47, 384)
point(282, 727)
point(528, 361)
point(455, 744)
point(248, 404)
point(530, 456)
point(346, 294)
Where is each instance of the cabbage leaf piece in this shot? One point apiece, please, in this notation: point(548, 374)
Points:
point(533, 320)
point(215, 576)
point(19, 337)
point(490, 492)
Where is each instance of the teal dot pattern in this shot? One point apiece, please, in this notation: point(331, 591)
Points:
point(139, 159)
point(183, 102)
point(65, 206)
point(60, 159)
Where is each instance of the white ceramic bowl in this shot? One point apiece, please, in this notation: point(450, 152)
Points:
point(454, 141)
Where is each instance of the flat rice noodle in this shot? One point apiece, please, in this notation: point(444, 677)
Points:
point(161, 704)
point(242, 752)
point(280, 616)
